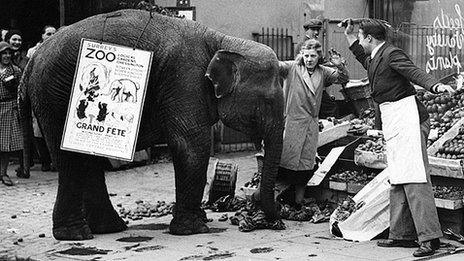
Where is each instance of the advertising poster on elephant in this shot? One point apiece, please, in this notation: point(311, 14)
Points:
point(107, 98)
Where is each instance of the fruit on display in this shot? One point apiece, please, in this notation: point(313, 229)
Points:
point(444, 109)
point(448, 192)
point(353, 176)
point(453, 148)
point(376, 146)
point(365, 122)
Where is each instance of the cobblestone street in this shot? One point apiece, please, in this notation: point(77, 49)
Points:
point(27, 208)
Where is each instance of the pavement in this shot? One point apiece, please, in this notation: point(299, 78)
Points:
point(26, 225)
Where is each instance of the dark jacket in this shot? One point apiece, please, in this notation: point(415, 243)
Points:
point(390, 75)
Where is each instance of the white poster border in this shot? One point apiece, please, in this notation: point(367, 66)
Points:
point(72, 94)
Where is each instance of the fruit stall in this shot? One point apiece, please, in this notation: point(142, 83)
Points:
point(353, 154)
point(364, 157)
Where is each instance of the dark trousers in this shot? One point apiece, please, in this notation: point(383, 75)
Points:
point(413, 214)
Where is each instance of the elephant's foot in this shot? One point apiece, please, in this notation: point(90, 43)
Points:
point(103, 222)
point(187, 223)
point(74, 232)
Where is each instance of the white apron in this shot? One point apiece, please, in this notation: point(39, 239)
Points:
point(401, 129)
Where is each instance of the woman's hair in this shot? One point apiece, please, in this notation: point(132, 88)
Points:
point(308, 45)
point(45, 28)
point(375, 28)
point(10, 33)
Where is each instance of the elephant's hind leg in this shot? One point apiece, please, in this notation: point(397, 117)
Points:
point(100, 213)
point(68, 219)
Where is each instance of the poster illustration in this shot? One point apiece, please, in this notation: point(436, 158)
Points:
point(107, 98)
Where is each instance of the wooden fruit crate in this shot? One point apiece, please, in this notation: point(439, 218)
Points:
point(452, 168)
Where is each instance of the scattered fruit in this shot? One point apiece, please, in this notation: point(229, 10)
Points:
point(254, 182)
point(146, 209)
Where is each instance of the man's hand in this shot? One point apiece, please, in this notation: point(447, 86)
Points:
point(351, 36)
point(444, 88)
point(349, 27)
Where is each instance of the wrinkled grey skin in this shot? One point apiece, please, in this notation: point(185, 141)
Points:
point(198, 76)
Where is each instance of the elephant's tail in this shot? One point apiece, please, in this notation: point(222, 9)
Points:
point(25, 114)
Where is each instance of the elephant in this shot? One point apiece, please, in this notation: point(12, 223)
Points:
point(123, 90)
point(198, 76)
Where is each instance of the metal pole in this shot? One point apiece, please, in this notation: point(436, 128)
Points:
point(62, 13)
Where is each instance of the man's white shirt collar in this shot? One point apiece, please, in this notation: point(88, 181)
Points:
point(376, 49)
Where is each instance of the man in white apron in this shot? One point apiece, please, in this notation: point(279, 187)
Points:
point(405, 124)
point(304, 81)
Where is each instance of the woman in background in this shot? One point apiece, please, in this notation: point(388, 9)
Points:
point(10, 128)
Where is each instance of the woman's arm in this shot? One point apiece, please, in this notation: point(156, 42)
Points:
point(284, 67)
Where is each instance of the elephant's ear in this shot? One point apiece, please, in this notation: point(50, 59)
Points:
point(223, 72)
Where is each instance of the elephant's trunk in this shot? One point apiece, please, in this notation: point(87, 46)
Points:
point(272, 153)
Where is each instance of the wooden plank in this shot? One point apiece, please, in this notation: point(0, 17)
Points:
point(446, 167)
point(334, 133)
point(340, 186)
point(451, 133)
point(354, 188)
point(452, 204)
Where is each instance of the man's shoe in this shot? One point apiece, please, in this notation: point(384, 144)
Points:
point(425, 249)
point(397, 243)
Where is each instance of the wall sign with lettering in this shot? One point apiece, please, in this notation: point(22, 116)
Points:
point(107, 98)
point(446, 43)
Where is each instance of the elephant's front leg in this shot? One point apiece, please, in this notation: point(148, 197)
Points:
point(100, 213)
point(68, 218)
point(190, 157)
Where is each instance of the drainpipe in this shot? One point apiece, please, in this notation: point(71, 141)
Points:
point(62, 13)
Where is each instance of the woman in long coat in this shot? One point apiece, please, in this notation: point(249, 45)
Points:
point(10, 128)
point(304, 80)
